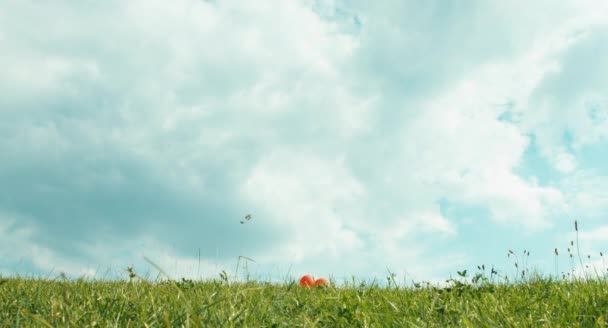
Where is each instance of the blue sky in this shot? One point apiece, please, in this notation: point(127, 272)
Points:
point(420, 136)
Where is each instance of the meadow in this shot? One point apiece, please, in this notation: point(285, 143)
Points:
point(474, 302)
point(484, 298)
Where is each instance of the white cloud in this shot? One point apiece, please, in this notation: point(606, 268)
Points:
point(599, 234)
point(13, 237)
point(590, 244)
point(587, 192)
point(565, 162)
point(567, 101)
point(341, 138)
point(457, 149)
point(102, 260)
point(315, 201)
point(20, 239)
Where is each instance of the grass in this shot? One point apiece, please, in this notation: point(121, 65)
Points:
point(480, 300)
point(537, 302)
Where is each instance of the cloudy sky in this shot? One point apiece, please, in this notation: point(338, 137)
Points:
point(422, 137)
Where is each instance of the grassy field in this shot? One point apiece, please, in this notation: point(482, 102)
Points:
point(537, 302)
point(483, 299)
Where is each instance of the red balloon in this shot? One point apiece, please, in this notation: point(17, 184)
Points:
point(322, 282)
point(307, 281)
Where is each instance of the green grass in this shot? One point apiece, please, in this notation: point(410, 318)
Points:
point(480, 300)
point(537, 302)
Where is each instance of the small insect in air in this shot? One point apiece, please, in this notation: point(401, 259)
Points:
point(247, 218)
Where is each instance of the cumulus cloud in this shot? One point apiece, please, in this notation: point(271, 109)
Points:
point(571, 99)
point(339, 125)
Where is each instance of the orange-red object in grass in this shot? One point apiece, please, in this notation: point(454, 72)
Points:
point(321, 282)
point(307, 281)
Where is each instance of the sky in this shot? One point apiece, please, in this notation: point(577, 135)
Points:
point(364, 137)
